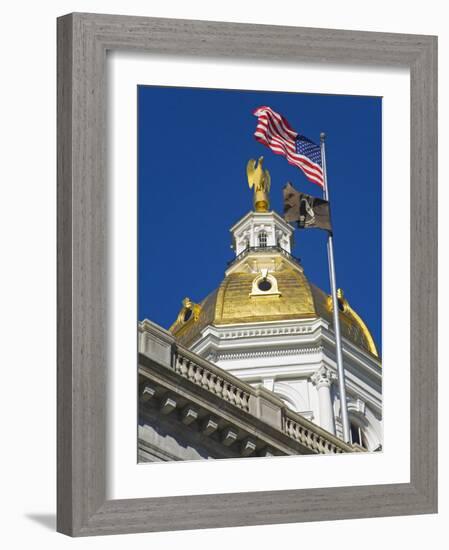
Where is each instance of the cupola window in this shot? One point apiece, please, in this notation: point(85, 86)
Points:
point(263, 239)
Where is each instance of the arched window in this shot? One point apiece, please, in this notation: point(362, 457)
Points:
point(357, 435)
point(262, 239)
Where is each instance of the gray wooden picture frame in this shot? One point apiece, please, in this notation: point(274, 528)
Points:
point(83, 40)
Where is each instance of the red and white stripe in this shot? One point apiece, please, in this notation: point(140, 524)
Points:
point(275, 132)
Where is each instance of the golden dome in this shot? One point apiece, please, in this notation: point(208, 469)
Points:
point(291, 296)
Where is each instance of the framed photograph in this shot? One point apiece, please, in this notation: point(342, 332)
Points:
point(220, 187)
point(255, 313)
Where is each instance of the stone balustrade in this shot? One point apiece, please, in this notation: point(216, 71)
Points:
point(312, 436)
point(205, 377)
point(161, 346)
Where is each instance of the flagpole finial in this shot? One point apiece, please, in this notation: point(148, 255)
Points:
point(322, 136)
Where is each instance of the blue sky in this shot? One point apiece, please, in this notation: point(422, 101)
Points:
point(193, 146)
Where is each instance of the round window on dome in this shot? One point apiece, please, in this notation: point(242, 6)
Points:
point(187, 315)
point(264, 285)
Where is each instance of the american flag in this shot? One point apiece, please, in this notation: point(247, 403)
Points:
point(275, 132)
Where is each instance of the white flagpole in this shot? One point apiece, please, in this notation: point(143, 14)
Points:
point(333, 281)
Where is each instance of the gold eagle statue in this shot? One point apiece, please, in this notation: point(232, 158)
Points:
point(261, 181)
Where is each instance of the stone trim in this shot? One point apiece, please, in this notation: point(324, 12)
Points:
point(245, 333)
point(266, 353)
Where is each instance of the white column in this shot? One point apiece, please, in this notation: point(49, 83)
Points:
point(323, 379)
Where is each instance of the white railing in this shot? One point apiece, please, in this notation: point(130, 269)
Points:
point(217, 384)
point(312, 436)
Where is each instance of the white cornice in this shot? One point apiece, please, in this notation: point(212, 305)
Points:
point(357, 354)
point(290, 326)
point(290, 372)
point(262, 216)
point(266, 353)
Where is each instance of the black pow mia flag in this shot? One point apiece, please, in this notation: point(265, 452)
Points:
point(307, 211)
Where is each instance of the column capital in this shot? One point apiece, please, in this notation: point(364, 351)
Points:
point(324, 376)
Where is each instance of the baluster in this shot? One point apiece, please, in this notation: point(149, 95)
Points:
point(219, 387)
point(243, 398)
point(238, 398)
point(231, 391)
point(184, 368)
point(198, 375)
point(321, 445)
point(225, 391)
point(292, 428)
point(205, 379)
point(192, 371)
point(298, 432)
point(211, 382)
point(308, 439)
